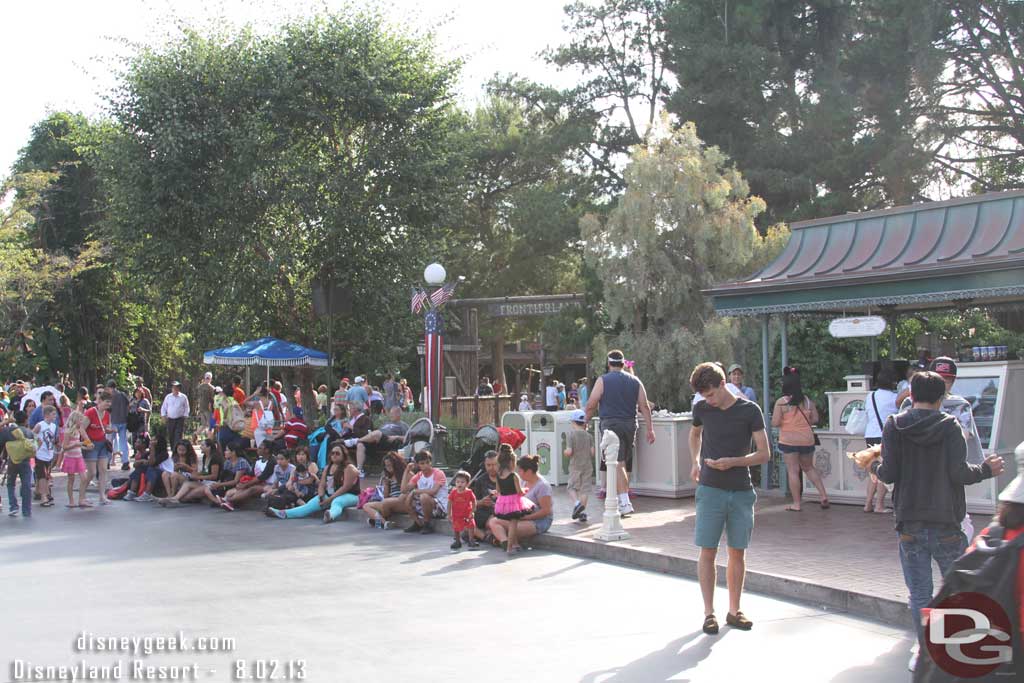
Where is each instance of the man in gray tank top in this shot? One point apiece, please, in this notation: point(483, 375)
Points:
point(616, 398)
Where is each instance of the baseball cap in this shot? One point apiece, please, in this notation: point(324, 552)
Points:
point(360, 379)
point(735, 366)
point(175, 383)
point(579, 417)
point(943, 365)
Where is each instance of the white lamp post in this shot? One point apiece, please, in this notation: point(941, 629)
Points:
point(434, 274)
point(611, 523)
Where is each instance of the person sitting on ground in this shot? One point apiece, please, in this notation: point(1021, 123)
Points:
point(461, 507)
point(390, 437)
point(279, 495)
point(295, 429)
point(261, 482)
point(580, 452)
point(158, 464)
point(426, 493)
point(304, 480)
point(338, 489)
point(539, 519)
point(193, 488)
point(485, 488)
point(236, 469)
point(392, 479)
point(185, 463)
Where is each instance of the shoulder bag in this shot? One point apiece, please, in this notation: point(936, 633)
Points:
point(817, 441)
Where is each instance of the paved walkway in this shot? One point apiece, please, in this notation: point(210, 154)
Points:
point(839, 549)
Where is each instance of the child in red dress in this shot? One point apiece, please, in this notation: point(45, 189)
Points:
point(461, 506)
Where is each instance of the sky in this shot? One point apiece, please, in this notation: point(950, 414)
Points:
point(62, 54)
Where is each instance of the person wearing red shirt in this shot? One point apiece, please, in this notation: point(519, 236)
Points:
point(237, 391)
point(461, 506)
point(97, 458)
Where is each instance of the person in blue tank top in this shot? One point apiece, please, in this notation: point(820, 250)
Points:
point(616, 398)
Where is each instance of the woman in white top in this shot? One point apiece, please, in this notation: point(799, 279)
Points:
point(884, 399)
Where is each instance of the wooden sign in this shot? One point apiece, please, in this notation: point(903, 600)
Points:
point(520, 309)
point(868, 326)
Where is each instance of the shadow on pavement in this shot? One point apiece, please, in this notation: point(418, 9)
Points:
point(662, 665)
point(895, 659)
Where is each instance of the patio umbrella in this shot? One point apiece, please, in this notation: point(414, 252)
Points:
point(37, 393)
point(266, 351)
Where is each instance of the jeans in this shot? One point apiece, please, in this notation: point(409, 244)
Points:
point(917, 550)
point(22, 469)
point(225, 436)
point(120, 439)
point(338, 505)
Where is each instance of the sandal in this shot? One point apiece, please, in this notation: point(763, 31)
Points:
point(790, 508)
point(48, 503)
point(710, 625)
point(739, 621)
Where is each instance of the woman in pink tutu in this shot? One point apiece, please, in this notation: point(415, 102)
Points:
point(511, 505)
point(72, 462)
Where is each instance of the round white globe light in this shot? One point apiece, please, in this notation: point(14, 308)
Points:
point(434, 274)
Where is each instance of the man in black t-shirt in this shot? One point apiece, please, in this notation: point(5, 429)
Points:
point(485, 488)
point(723, 425)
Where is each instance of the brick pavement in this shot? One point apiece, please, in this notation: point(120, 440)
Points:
point(840, 548)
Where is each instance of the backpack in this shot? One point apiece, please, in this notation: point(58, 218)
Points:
point(20, 449)
point(991, 571)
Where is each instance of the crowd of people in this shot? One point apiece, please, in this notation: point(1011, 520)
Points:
point(227, 448)
point(911, 426)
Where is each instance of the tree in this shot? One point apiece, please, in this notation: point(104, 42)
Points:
point(517, 232)
point(684, 222)
point(979, 113)
point(244, 166)
point(616, 47)
point(817, 102)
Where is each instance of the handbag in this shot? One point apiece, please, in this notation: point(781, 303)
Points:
point(857, 422)
point(817, 441)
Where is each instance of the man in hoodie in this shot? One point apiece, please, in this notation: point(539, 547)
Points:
point(925, 457)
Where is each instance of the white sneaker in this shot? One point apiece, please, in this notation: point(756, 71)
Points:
point(145, 498)
point(914, 652)
point(625, 509)
point(131, 495)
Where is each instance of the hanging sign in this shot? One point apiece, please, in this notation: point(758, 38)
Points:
point(868, 326)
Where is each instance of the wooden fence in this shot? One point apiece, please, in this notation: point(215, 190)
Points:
point(474, 411)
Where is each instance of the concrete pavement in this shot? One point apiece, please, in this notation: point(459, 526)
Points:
point(355, 604)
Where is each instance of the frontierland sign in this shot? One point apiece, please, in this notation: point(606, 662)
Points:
point(523, 306)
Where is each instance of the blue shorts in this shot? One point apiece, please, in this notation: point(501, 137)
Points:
point(731, 511)
point(542, 524)
point(101, 450)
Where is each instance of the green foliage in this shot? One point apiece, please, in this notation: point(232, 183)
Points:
point(244, 166)
point(818, 103)
point(684, 222)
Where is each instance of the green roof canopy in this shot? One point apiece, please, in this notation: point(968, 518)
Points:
point(910, 257)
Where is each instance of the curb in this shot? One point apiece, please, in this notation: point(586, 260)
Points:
point(884, 610)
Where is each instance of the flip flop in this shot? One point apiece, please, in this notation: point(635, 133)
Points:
point(793, 509)
point(72, 506)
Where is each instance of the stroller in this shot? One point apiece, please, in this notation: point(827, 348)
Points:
point(419, 437)
point(485, 439)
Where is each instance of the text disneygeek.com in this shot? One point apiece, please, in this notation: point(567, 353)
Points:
point(137, 668)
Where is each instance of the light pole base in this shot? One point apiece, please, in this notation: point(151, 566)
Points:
point(611, 522)
point(612, 531)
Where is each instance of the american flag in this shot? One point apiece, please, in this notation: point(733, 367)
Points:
point(433, 337)
point(440, 296)
point(419, 297)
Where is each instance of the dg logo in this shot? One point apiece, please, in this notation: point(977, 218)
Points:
point(968, 635)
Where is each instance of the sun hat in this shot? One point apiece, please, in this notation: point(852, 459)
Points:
point(1014, 492)
point(579, 417)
